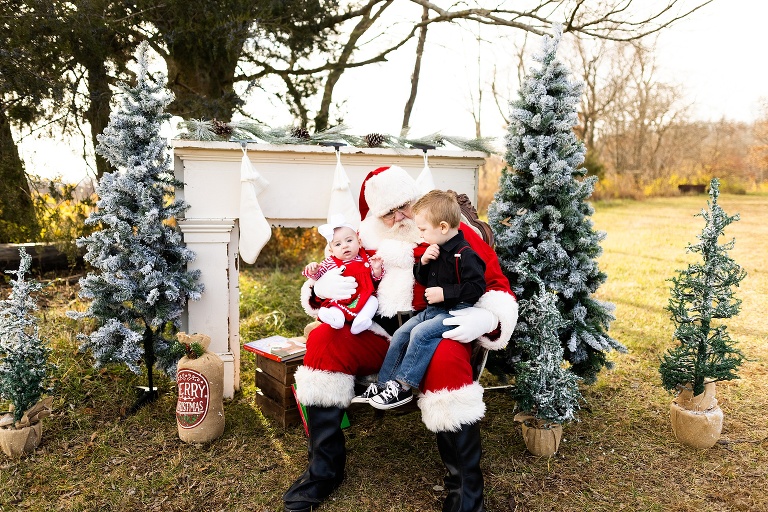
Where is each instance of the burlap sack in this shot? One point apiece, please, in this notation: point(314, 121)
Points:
point(17, 442)
point(543, 442)
point(539, 440)
point(200, 383)
point(697, 429)
point(702, 402)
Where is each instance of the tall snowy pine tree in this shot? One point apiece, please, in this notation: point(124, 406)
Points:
point(540, 216)
point(23, 355)
point(141, 283)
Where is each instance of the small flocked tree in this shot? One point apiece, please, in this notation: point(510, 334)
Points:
point(23, 355)
point(140, 283)
point(544, 387)
point(540, 216)
point(702, 294)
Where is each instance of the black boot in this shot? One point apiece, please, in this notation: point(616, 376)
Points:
point(327, 456)
point(460, 452)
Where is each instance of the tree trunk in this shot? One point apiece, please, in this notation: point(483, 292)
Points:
point(201, 43)
point(366, 21)
point(17, 213)
point(203, 84)
point(149, 357)
point(99, 109)
point(416, 74)
point(151, 394)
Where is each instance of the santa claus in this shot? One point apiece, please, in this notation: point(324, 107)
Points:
point(451, 402)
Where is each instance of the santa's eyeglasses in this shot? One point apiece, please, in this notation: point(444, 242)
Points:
point(391, 213)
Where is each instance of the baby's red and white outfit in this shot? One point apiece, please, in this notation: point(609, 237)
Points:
point(358, 267)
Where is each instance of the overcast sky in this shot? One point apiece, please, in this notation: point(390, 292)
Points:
point(718, 55)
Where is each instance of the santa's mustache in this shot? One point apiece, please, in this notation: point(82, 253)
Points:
point(404, 230)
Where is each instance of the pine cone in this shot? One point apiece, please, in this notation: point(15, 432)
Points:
point(373, 140)
point(299, 132)
point(221, 128)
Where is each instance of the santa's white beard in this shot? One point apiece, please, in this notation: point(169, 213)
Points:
point(405, 231)
point(395, 246)
point(373, 231)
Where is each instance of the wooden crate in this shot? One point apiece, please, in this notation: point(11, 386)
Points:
point(282, 372)
point(275, 396)
point(285, 417)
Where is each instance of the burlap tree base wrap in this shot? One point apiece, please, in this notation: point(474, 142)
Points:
point(17, 442)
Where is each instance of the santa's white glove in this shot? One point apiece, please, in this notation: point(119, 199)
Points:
point(471, 323)
point(333, 285)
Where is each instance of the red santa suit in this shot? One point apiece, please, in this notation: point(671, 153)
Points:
point(450, 401)
point(450, 398)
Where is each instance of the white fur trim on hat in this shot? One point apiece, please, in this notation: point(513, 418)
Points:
point(504, 306)
point(447, 410)
point(324, 389)
point(389, 189)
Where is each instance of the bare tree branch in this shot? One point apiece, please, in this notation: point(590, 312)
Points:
point(609, 19)
point(416, 73)
point(341, 64)
point(617, 20)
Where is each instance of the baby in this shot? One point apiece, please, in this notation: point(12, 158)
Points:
point(347, 253)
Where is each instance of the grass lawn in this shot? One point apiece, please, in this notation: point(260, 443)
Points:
point(622, 455)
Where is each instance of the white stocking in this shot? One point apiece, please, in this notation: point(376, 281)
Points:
point(331, 316)
point(255, 230)
point(364, 318)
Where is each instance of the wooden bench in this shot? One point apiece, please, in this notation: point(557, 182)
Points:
point(468, 211)
point(693, 189)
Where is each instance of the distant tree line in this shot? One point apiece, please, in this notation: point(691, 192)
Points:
point(640, 135)
point(639, 131)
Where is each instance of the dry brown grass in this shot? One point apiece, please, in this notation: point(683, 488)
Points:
point(620, 456)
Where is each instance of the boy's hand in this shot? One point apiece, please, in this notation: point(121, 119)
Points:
point(312, 268)
point(434, 295)
point(377, 264)
point(432, 252)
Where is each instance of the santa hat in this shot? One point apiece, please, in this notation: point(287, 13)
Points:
point(386, 188)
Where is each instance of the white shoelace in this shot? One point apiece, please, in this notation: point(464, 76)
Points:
point(373, 389)
point(391, 391)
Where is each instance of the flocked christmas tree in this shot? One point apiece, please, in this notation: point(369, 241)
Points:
point(540, 216)
point(701, 295)
point(544, 387)
point(23, 355)
point(140, 283)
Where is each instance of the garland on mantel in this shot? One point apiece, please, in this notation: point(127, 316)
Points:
point(198, 129)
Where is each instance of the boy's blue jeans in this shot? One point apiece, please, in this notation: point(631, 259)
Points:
point(413, 345)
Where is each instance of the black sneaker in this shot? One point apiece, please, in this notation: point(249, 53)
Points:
point(393, 396)
point(365, 396)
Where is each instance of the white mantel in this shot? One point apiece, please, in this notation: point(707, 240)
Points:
point(298, 194)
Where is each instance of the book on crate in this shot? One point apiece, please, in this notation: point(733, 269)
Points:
point(278, 348)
